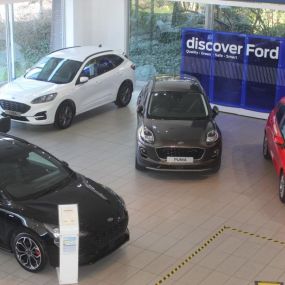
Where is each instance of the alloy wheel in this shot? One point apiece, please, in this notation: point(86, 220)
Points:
point(65, 116)
point(28, 253)
point(126, 95)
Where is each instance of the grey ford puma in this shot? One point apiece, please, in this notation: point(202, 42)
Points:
point(176, 128)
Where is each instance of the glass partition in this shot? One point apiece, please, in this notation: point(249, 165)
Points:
point(155, 34)
point(31, 32)
point(155, 27)
point(3, 51)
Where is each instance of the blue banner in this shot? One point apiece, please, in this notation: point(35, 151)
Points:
point(236, 70)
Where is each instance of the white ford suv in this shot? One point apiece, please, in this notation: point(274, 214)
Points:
point(66, 83)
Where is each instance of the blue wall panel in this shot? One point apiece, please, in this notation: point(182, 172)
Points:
point(236, 70)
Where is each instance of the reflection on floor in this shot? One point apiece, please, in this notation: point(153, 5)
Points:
point(171, 214)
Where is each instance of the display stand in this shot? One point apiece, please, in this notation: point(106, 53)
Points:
point(69, 244)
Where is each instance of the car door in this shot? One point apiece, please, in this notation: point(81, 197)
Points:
point(110, 75)
point(88, 94)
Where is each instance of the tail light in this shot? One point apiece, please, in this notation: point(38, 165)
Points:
point(133, 67)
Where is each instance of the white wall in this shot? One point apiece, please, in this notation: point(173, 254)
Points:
point(93, 22)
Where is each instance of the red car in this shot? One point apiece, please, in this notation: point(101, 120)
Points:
point(274, 143)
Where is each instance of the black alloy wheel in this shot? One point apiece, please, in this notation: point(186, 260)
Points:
point(265, 148)
point(282, 187)
point(29, 252)
point(124, 95)
point(64, 115)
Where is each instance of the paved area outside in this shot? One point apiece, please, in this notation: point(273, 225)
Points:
point(171, 214)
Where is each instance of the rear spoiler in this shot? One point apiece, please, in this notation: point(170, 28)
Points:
point(5, 124)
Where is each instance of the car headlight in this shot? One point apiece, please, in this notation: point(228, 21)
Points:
point(146, 134)
point(212, 136)
point(53, 229)
point(44, 98)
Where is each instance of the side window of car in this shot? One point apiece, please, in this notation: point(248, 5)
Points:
point(280, 114)
point(90, 70)
point(116, 60)
point(104, 64)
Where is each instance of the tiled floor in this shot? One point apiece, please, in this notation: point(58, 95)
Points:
point(171, 214)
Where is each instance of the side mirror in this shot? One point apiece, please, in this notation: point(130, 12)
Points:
point(5, 124)
point(278, 140)
point(215, 111)
point(83, 79)
point(140, 109)
point(64, 163)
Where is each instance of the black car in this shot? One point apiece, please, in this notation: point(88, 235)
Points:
point(32, 185)
point(176, 127)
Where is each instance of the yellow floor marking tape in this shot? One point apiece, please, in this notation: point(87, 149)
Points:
point(268, 283)
point(208, 242)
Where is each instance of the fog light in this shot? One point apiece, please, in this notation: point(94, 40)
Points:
point(41, 116)
point(215, 153)
point(143, 152)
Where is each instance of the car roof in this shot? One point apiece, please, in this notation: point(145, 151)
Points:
point(176, 83)
point(79, 53)
point(11, 146)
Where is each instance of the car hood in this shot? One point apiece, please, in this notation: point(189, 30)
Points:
point(25, 90)
point(180, 132)
point(96, 204)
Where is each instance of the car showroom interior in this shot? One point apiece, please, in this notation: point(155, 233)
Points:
point(142, 142)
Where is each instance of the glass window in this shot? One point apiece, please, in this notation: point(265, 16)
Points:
point(280, 114)
point(31, 173)
point(104, 64)
point(155, 29)
point(32, 32)
point(249, 20)
point(170, 105)
point(3, 50)
point(116, 60)
point(91, 69)
point(55, 70)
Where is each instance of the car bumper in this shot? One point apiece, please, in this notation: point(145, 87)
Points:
point(89, 251)
point(147, 157)
point(38, 114)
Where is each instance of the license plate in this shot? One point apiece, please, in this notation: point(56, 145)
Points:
point(180, 159)
point(12, 113)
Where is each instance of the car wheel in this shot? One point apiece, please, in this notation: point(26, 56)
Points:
point(29, 252)
point(218, 165)
point(124, 95)
point(64, 115)
point(139, 166)
point(282, 187)
point(265, 147)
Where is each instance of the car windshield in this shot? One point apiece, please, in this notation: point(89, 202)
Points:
point(173, 105)
point(55, 70)
point(31, 173)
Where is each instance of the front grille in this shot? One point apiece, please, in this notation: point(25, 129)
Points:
point(165, 152)
point(16, 118)
point(14, 106)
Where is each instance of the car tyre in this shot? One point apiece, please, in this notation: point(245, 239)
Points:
point(218, 166)
point(282, 187)
point(139, 166)
point(124, 95)
point(64, 115)
point(29, 251)
point(265, 148)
